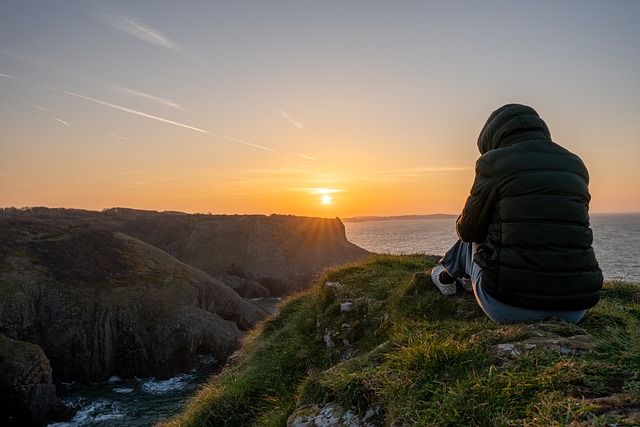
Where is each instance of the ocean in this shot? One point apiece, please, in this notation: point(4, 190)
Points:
point(128, 402)
point(616, 240)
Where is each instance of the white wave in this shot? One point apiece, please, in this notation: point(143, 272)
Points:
point(154, 386)
point(206, 359)
point(94, 412)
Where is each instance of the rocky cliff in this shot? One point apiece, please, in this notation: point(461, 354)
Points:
point(131, 293)
point(281, 252)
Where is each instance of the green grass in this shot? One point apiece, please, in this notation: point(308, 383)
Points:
point(386, 339)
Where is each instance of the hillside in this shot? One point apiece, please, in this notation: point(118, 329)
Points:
point(283, 253)
point(375, 344)
point(82, 300)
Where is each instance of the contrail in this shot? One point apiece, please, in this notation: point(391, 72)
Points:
point(140, 31)
point(243, 142)
point(129, 110)
point(146, 96)
point(142, 114)
point(10, 77)
point(63, 122)
point(160, 119)
point(110, 86)
point(119, 137)
point(290, 119)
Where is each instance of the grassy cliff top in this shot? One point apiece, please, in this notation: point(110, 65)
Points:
point(374, 343)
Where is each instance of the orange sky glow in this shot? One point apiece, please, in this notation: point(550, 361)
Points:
point(329, 109)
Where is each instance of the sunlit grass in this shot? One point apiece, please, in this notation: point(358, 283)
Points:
point(381, 337)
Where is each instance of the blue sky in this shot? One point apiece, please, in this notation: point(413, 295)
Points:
point(270, 106)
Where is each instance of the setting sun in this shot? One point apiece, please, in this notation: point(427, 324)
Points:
point(325, 194)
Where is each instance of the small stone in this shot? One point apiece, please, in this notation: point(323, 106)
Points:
point(333, 284)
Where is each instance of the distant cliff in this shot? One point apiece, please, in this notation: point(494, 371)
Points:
point(398, 217)
point(281, 252)
point(131, 293)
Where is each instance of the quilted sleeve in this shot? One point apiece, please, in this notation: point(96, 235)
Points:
point(473, 223)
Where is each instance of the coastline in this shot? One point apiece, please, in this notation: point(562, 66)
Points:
point(397, 218)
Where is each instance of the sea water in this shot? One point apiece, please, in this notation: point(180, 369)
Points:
point(616, 240)
point(128, 402)
point(139, 402)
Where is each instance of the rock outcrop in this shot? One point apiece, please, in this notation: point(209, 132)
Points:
point(26, 386)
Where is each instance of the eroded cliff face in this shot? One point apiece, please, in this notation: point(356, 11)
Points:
point(132, 294)
point(281, 252)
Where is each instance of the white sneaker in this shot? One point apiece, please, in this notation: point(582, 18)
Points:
point(466, 284)
point(445, 288)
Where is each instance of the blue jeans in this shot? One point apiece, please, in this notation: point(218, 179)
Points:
point(458, 261)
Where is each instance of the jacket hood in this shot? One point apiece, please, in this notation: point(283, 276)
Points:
point(509, 124)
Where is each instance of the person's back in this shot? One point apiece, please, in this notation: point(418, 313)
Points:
point(535, 218)
point(528, 213)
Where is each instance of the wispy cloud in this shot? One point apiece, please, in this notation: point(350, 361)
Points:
point(323, 181)
point(290, 119)
point(119, 137)
point(40, 62)
point(41, 108)
point(404, 175)
point(113, 87)
point(46, 110)
point(10, 77)
point(131, 111)
point(139, 30)
point(157, 118)
point(155, 99)
point(286, 170)
point(243, 142)
point(320, 190)
point(305, 156)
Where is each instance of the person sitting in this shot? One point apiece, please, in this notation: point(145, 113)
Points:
point(525, 243)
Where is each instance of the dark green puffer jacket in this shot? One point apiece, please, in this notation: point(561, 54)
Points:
point(529, 206)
